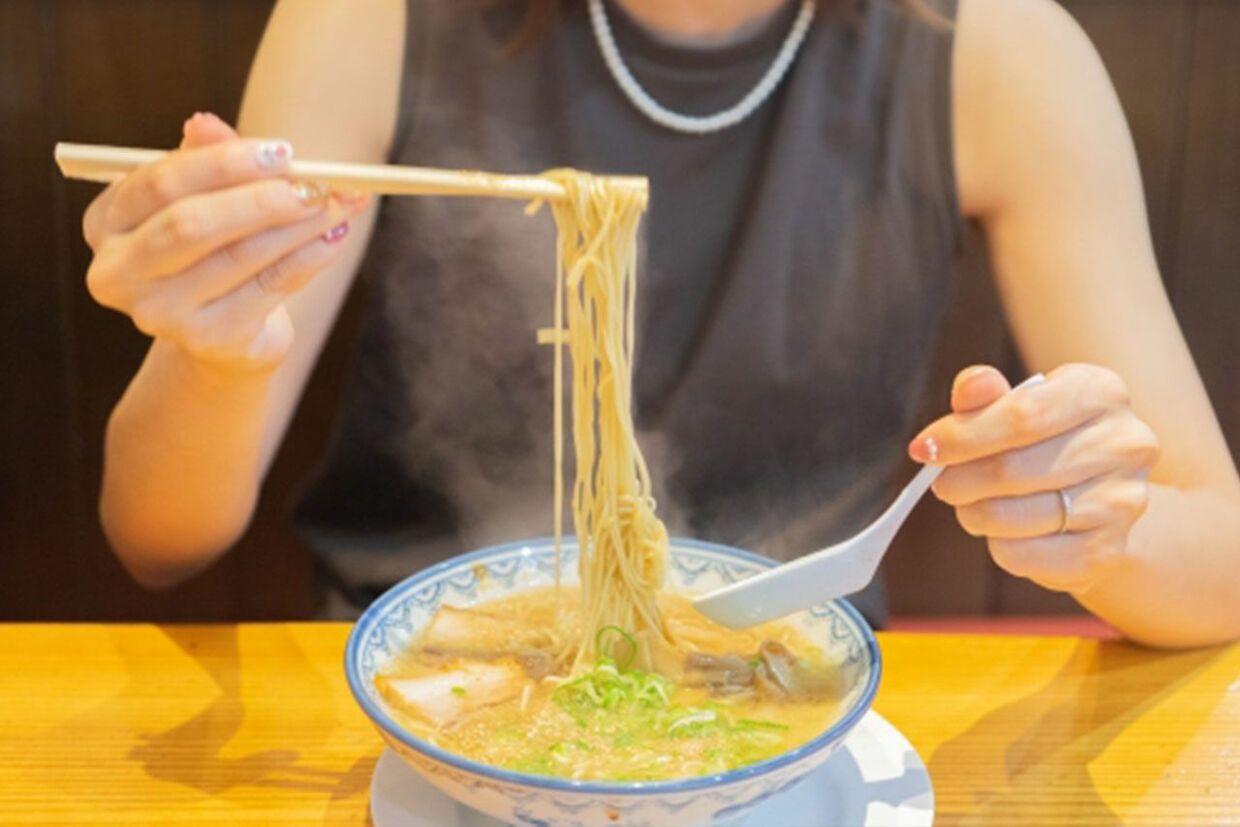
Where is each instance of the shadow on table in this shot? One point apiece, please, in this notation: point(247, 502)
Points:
point(191, 753)
point(1029, 761)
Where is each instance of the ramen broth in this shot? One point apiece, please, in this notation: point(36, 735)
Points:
point(493, 683)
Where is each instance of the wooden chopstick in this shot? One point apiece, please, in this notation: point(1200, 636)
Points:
point(91, 162)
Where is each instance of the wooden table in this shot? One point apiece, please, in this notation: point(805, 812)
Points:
point(253, 724)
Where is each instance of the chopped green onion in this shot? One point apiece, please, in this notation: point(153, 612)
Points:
point(745, 724)
point(620, 708)
point(628, 638)
point(704, 716)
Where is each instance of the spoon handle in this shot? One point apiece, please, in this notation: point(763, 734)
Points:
point(895, 515)
point(902, 506)
point(838, 570)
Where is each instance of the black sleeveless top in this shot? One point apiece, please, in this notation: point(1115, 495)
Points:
point(794, 272)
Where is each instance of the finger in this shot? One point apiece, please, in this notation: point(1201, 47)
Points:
point(160, 306)
point(1103, 446)
point(193, 227)
point(225, 269)
point(1062, 562)
point(201, 129)
point(1092, 504)
point(976, 387)
point(1070, 396)
point(183, 173)
point(205, 128)
point(94, 229)
point(233, 323)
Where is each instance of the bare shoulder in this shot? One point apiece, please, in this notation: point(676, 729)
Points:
point(327, 77)
point(1028, 85)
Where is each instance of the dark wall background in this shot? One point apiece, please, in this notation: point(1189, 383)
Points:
point(129, 71)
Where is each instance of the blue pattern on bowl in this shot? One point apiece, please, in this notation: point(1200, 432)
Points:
point(393, 621)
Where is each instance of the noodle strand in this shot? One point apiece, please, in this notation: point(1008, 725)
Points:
point(622, 543)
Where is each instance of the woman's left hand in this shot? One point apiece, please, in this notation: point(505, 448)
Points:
point(1009, 455)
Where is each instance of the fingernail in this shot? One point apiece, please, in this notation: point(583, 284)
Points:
point(336, 233)
point(350, 197)
point(309, 192)
point(274, 154)
point(975, 370)
point(924, 449)
point(259, 346)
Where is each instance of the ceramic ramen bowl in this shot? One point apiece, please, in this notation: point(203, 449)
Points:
point(394, 621)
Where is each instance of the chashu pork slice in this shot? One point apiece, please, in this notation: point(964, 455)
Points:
point(470, 634)
point(441, 698)
point(454, 629)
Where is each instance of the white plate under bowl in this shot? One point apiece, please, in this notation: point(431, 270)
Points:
point(875, 779)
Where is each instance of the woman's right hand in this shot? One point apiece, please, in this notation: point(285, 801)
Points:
point(202, 247)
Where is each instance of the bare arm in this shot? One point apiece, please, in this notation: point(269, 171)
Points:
point(1046, 164)
point(189, 443)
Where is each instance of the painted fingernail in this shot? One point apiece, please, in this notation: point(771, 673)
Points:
point(924, 449)
point(309, 193)
point(336, 233)
point(274, 154)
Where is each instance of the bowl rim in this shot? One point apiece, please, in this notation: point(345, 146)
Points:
point(391, 727)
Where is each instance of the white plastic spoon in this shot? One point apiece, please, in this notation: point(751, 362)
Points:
point(835, 571)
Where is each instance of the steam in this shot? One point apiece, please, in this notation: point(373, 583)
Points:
point(476, 418)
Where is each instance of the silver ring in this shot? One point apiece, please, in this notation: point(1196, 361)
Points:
point(1065, 500)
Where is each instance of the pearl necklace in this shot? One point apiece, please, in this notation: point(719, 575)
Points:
point(698, 124)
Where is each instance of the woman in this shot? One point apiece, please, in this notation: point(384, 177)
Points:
point(797, 259)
